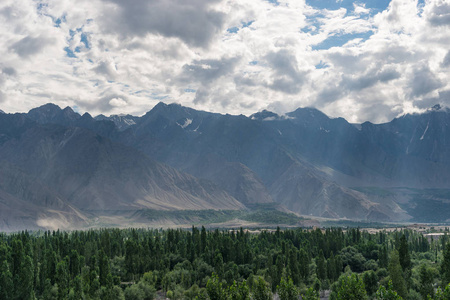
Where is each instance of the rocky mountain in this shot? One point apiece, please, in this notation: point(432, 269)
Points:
point(74, 172)
point(53, 114)
point(278, 150)
point(27, 203)
point(122, 121)
point(416, 147)
point(305, 157)
point(141, 137)
point(302, 161)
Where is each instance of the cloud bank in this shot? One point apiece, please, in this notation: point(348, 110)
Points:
point(364, 60)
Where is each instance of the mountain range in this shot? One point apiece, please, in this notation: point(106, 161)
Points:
point(60, 169)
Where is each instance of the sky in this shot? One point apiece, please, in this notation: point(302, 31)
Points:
point(368, 60)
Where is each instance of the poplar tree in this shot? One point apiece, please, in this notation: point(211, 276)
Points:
point(6, 281)
point(388, 293)
point(321, 266)
point(426, 282)
point(403, 254)
point(261, 290)
point(395, 272)
point(214, 289)
point(287, 290)
point(445, 266)
point(349, 287)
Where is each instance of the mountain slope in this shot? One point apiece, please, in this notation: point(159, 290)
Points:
point(203, 143)
point(53, 114)
point(409, 151)
point(417, 149)
point(27, 203)
point(175, 124)
point(75, 169)
point(184, 138)
point(122, 122)
point(304, 160)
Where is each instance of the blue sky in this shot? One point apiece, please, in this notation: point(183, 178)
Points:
point(375, 5)
point(339, 39)
point(361, 60)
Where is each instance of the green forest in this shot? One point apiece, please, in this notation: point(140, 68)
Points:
point(223, 264)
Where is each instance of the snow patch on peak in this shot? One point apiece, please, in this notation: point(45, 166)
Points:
point(270, 119)
point(426, 129)
point(323, 129)
point(286, 117)
point(265, 115)
point(187, 122)
point(128, 121)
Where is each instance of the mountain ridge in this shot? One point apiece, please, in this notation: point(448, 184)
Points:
point(304, 160)
point(84, 171)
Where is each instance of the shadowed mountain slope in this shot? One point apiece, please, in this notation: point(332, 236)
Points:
point(304, 160)
point(72, 169)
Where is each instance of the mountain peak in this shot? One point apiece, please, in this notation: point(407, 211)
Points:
point(265, 115)
point(308, 113)
point(175, 112)
point(51, 113)
point(159, 105)
point(86, 115)
point(440, 108)
point(2, 112)
point(436, 107)
point(68, 109)
point(101, 117)
point(49, 107)
point(122, 121)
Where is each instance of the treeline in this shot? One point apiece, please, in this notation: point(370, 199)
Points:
point(202, 264)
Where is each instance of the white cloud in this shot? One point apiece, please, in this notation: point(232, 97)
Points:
point(195, 22)
point(117, 102)
point(114, 56)
point(360, 9)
